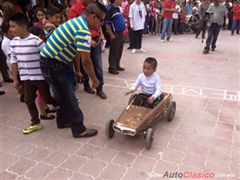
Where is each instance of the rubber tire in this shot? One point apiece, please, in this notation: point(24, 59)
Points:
point(109, 128)
point(149, 138)
point(171, 111)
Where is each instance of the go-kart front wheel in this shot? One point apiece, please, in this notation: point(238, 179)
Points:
point(171, 111)
point(149, 138)
point(109, 128)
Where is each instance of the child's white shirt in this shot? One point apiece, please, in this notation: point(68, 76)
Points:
point(150, 85)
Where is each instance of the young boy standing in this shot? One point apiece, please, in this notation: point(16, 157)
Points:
point(25, 59)
point(150, 84)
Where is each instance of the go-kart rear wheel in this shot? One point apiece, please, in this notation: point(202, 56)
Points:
point(132, 97)
point(109, 128)
point(171, 111)
point(149, 138)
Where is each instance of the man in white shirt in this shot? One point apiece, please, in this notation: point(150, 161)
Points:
point(137, 16)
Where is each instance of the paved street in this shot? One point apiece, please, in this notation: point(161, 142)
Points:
point(204, 136)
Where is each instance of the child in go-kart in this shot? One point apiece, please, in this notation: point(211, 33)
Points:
point(150, 85)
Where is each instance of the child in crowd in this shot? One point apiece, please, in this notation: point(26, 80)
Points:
point(25, 60)
point(52, 22)
point(150, 84)
point(39, 16)
point(7, 37)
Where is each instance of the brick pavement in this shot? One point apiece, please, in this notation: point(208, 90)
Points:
point(204, 135)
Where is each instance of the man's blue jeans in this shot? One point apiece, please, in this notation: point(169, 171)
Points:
point(213, 32)
point(96, 56)
point(235, 26)
point(61, 79)
point(166, 29)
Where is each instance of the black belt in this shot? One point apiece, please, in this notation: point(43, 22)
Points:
point(52, 60)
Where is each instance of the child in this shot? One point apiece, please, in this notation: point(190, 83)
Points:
point(7, 37)
point(25, 59)
point(39, 16)
point(150, 84)
point(52, 22)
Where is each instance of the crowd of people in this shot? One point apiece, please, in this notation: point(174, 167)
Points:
point(56, 44)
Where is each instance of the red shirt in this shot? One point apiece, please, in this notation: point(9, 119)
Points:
point(77, 10)
point(126, 13)
point(169, 4)
point(236, 15)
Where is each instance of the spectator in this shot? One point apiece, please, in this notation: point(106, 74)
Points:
point(168, 10)
point(137, 15)
point(217, 12)
point(115, 25)
point(57, 65)
point(236, 17)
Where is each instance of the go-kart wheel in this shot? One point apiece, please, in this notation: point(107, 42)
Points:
point(171, 111)
point(133, 96)
point(149, 138)
point(109, 128)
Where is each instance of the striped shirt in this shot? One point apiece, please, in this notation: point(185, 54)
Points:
point(26, 53)
point(67, 39)
point(150, 85)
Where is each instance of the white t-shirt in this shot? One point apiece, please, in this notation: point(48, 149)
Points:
point(175, 14)
point(6, 49)
point(26, 53)
point(150, 85)
point(137, 16)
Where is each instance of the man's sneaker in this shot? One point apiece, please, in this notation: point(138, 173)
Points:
point(134, 51)
point(89, 90)
point(32, 128)
point(143, 50)
point(205, 51)
point(169, 40)
point(2, 92)
point(113, 71)
point(101, 94)
point(213, 49)
point(119, 68)
point(162, 40)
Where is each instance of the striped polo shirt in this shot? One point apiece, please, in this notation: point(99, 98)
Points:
point(26, 53)
point(70, 37)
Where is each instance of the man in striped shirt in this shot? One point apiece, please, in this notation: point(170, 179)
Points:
point(25, 59)
point(73, 38)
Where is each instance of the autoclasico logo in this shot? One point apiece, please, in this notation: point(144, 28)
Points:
point(189, 175)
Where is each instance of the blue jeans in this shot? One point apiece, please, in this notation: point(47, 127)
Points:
point(61, 79)
point(213, 32)
point(166, 29)
point(96, 57)
point(235, 26)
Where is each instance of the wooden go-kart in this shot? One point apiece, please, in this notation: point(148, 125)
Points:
point(137, 120)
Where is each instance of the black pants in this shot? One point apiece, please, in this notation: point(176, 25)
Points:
point(3, 65)
point(30, 89)
point(115, 52)
point(213, 32)
point(130, 37)
point(137, 39)
point(141, 100)
point(202, 28)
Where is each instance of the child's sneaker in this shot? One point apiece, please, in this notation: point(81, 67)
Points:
point(32, 128)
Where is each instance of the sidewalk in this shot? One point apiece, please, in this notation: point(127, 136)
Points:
point(204, 136)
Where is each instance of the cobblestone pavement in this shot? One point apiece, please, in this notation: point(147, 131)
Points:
point(202, 138)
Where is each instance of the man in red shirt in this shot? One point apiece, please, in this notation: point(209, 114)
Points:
point(168, 9)
point(236, 17)
point(96, 51)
